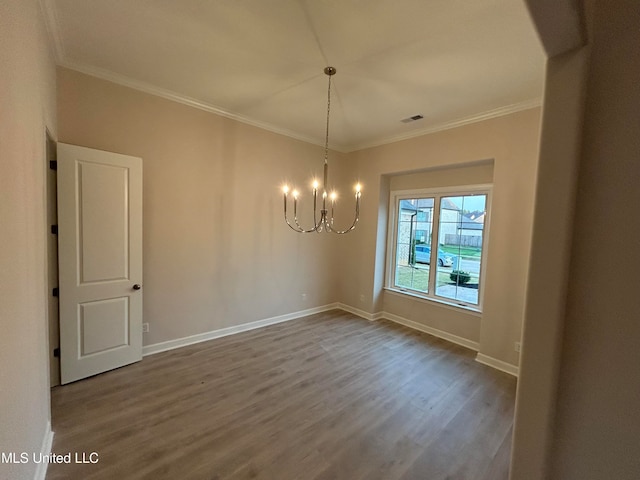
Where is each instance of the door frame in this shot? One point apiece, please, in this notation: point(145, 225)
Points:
point(52, 313)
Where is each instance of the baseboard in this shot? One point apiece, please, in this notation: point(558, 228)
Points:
point(411, 324)
point(480, 357)
point(497, 364)
point(450, 337)
point(45, 449)
point(360, 313)
point(223, 332)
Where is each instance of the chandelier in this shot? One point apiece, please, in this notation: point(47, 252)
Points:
point(325, 222)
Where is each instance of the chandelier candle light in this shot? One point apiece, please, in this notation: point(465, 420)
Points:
point(325, 222)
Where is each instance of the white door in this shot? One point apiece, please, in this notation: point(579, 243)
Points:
point(100, 260)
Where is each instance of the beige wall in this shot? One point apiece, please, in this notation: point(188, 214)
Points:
point(596, 427)
point(597, 431)
point(577, 403)
point(213, 230)
point(27, 109)
point(511, 142)
point(478, 173)
point(217, 252)
point(548, 273)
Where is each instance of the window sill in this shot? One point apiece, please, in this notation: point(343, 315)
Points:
point(440, 302)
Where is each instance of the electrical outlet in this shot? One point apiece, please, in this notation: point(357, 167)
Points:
point(362, 297)
point(145, 328)
point(304, 296)
point(516, 347)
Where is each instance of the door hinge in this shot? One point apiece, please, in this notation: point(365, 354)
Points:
point(54, 229)
point(53, 164)
point(55, 292)
point(56, 352)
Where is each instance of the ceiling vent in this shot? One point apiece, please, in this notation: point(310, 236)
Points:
point(412, 119)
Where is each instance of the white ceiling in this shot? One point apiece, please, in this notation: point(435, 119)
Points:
point(262, 61)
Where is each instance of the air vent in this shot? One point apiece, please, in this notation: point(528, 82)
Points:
point(412, 119)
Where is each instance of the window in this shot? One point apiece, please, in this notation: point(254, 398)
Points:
point(437, 240)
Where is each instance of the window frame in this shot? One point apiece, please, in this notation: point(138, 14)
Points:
point(437, 193)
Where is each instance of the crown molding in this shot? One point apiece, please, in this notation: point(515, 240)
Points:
point(480, 117)
point(192, 102)
point(189, 101)
point(53, 28)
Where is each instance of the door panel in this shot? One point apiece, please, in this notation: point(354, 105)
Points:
point(104, 325)
point(100, 260)
point(103, 227)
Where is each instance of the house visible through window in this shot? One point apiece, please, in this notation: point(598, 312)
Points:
point(437, 244)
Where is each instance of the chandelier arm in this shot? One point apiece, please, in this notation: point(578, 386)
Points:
point(299, 229)
point(286, 218)
point(316, 223)
point(295, 215)
point(293, 227)
point(320, 223)
point(329, 225)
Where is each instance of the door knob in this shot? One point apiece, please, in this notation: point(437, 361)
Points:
point(137, 287)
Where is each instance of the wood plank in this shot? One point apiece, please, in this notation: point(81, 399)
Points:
point(329, 396)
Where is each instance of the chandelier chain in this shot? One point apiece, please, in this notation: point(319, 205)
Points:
point(326, 137)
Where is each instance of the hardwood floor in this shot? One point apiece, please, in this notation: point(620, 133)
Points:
point(330, 396)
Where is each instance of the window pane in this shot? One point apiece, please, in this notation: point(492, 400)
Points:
point(460, 236)
point(413, 241)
